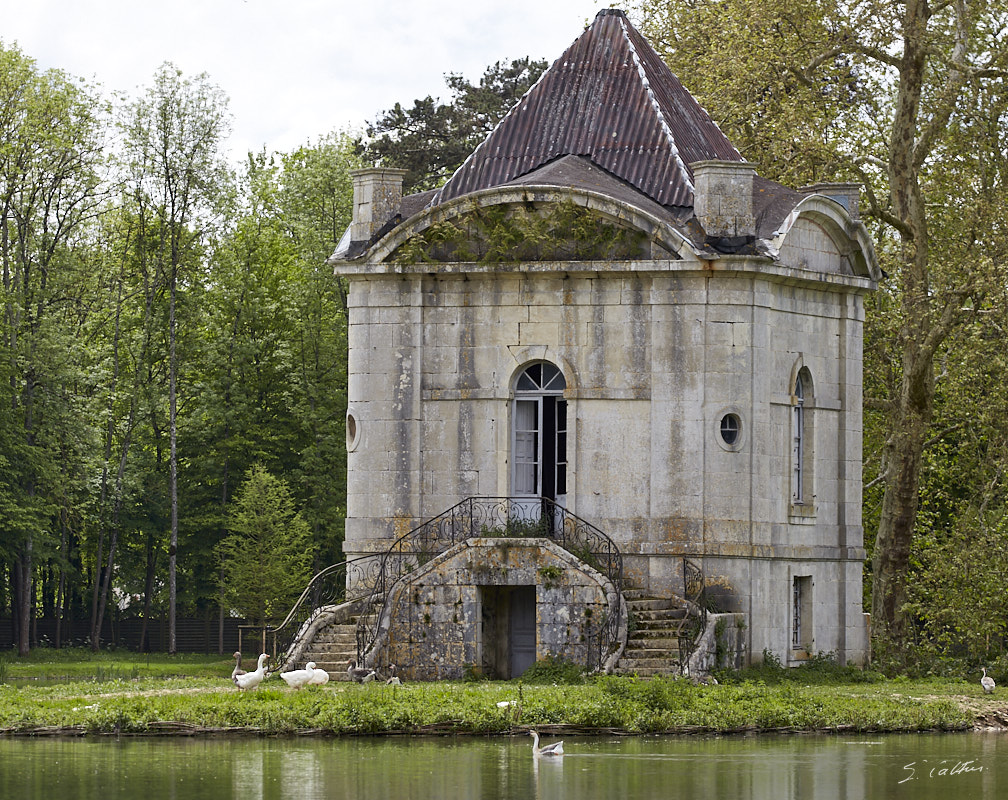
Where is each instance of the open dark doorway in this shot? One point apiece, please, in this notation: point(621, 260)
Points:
point(509, 629)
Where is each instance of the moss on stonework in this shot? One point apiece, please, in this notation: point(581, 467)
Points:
point(514, 233)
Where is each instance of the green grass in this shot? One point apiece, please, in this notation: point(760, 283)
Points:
point(129, 693)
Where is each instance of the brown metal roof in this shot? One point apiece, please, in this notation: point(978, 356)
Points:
point(611, 99)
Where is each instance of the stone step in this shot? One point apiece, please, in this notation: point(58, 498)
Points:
point(646, 672)
point(650, 652)
point(332, 653)
point(650, 604)
point(659, 642)
point(337, 639)
point(668, 663)
point(661, 613)
point(651, 627)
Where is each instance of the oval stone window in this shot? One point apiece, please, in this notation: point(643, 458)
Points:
point(731, 429)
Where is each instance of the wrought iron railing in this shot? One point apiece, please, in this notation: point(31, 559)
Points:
point(493, 517)
point(694, 590)
point(326, 589)
point(605, 640)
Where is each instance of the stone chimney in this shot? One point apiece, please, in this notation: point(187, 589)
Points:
point(377, 197)
point(723, 198)
point(846, 194)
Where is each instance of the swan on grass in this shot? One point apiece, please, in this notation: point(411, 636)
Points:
point(250, 680)
point(987, 682)
point(319, 677)
point(555, 749)
point(298, 678)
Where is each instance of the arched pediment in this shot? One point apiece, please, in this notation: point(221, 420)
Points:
point(819, 234)
point(529, 224)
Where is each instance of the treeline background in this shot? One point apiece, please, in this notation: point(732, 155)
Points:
point(169, 326)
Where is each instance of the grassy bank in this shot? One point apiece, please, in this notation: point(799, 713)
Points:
point(131, 694)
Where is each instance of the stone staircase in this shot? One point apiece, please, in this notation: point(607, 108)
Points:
point(333, 648)
point(653, 642)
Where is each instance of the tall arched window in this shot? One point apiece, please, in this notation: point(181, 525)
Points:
point(801, 439)
point(539, 433)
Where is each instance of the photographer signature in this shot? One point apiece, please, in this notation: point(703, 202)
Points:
point(943, 769)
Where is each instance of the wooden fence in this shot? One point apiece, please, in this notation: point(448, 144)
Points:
point(191, 635)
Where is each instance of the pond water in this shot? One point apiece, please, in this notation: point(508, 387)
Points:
point(921, 767)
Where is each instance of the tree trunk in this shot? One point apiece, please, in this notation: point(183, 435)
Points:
point(172, 459)
point(151, 574)
point(891, 562)
point(912, 408)
point(23, 567)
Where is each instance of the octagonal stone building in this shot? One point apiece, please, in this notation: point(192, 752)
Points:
point(604, 354)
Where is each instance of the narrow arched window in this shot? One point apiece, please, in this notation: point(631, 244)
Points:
point(798, 442)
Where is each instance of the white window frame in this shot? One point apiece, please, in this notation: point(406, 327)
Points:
point(551, 384)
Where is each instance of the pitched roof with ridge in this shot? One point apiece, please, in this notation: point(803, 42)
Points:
point(609, 98)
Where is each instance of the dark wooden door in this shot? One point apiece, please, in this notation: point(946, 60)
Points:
point(522, 631)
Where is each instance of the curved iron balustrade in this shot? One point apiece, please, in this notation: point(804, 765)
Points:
point(327, 588)
point(694, 588)
point(495, 517)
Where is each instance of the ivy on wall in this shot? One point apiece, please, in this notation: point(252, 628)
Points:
point(518, 232)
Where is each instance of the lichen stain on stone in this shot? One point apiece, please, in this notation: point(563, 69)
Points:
point(673, 530)
point(401, 525)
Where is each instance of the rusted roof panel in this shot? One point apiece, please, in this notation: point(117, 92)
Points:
point(611, 99)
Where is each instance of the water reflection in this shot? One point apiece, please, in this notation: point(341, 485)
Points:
point(922, 767)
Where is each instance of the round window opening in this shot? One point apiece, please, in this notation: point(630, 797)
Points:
point(731, 427)
point(351, 432)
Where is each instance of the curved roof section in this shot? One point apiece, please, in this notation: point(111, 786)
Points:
point(609, 98)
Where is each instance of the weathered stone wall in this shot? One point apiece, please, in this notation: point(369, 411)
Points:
point(654, 355)
point(722, 645)
point(436, 622)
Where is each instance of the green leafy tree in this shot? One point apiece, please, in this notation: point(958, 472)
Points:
point(266, 559)
point(431, 139)
point(173, 135)
point(50, 151)
point(315, 202)
point(906, 98)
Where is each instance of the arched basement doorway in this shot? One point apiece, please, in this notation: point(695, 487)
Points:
point(539, 434)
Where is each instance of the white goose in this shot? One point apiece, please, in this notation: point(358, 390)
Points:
point(250, 680)
point(319, 677)
point(297, 678)
point(238, 667)
point(555, 749)
point(987, 682)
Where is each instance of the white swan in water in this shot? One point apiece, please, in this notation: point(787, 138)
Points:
point(555, 749)
point(987, 682)
point(298, 678)
point(249, 680)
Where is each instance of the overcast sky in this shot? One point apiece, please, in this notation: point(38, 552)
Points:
point(293, 69)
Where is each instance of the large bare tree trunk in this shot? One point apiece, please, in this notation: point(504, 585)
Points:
point(925, 325)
